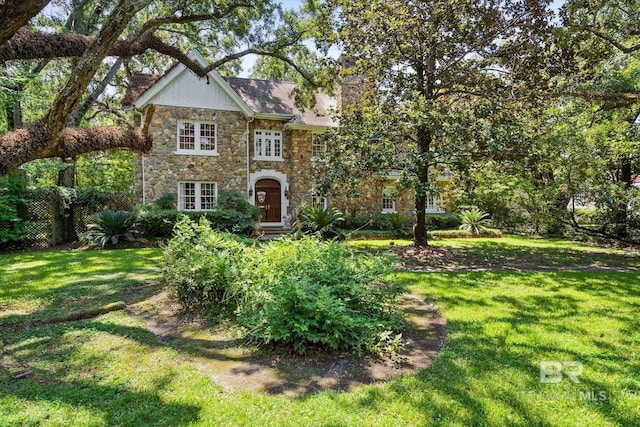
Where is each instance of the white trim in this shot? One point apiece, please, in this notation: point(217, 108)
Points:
point(179, 69)
point(273, 116)
point(284, 201)
point(197, 135)
point(313, 128)
point(325, 203)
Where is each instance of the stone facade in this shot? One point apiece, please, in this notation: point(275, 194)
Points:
point(164, 167)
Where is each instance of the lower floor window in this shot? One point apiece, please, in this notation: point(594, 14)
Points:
point(197, 196)
point(319, 202)
point(431, 203)
point(388, 199)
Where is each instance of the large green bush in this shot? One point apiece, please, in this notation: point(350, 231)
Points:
point(202, 266)
point(295, 293)
point(303, 293)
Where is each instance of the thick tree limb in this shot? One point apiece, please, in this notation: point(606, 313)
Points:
point(31, 45)
point(35, 142)
point(16, 14)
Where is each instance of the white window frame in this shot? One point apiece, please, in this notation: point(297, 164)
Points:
point(388, 207)
point(268, 144)
point(316, 201)
point(197, 196)
point(322, 154)
point(431, 204)
point(197, 139)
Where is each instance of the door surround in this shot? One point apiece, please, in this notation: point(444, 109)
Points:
point(284, 201)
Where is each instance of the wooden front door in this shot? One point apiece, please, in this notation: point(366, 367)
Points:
point(268, 198)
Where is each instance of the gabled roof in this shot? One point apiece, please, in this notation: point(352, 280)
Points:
point(266, 97)
point(138, 85)
point(256, 98)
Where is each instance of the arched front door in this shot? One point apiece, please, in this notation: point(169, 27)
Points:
point(268, 197)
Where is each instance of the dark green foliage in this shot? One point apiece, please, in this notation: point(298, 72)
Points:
point(154, 222)
point(309, 293)
point(381, 222)
point(233, 214)
point(442, 221)
point(322, 222)
point(398, 223)
point(202, 265)
point(366, 222)
point(296, 293)
point(109, 227)
point(13, 232)
point(166, 201)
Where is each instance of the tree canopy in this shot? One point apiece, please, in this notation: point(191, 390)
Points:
point(89, 32)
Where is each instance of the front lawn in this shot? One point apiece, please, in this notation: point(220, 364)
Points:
point(521, 251)
point(111, 370)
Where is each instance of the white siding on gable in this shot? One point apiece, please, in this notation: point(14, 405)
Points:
point(188, 90)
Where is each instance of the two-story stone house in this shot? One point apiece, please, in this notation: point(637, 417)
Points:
point(232, 134)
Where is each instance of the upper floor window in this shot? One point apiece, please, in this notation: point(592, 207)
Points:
point(268, 145)
point(197, 196)
point(197, 138)
point(318, 147)
point(389, 199)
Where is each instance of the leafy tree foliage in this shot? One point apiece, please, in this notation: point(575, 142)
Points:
point(434, 74)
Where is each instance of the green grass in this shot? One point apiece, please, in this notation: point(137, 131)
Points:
point(516, 250)
point(111, 370)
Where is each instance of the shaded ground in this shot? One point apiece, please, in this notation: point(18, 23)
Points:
point(235, 366)
point(506, 253)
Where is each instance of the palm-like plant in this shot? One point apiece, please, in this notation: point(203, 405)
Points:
point(321, 221)
point(109, 227)
point(398, 223)
point(474, 221)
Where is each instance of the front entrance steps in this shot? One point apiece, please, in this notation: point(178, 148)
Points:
point(272, 232)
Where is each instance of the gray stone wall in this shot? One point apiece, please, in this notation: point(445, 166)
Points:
point(163, 168)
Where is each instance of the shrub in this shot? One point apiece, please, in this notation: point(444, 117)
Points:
point(202, 266)
point(442, 221)
point(320, 221)
point(233, 214)
point(455, 234)
point(398, 223)
point(166, 201)
point(13, 228)
point(474, 221)
point(367, 222)
point(109, 227)
point(311, 293)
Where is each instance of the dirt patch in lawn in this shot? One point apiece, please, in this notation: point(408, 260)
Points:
point(236, 366)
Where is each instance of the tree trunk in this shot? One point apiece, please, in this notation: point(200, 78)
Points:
point(16, 14)
point(420, 227)
point(621, 209)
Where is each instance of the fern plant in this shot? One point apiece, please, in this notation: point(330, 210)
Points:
point(110, 227)
point(474, 221)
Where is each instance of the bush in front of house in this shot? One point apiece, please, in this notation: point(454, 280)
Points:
point(202, 266)
point(474, 221)
point(109, 227)
point(306, 293)
point(233, 214)
point(320, 221)
point(299, 294)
